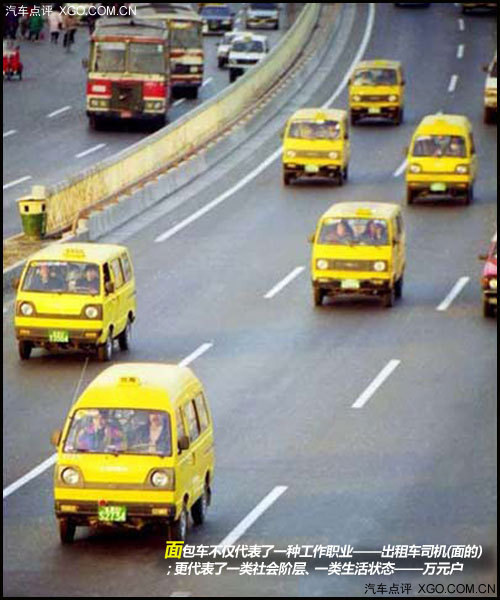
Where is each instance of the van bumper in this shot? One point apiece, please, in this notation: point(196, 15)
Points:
point(43, 337)
point(86, 512)
point(454, 189)
point(389, 111)
point(368, 287)
point(329, 171)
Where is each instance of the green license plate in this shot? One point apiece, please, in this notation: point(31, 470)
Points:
point(374, 110)
point(350, 284)
point(60, 337)
point(311, 169)
point(112, 513)
point(438, 187)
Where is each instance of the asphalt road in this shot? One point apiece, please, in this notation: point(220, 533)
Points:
point(415, 465)
point(45, 127)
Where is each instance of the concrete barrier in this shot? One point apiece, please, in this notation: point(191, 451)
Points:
point(149, 156)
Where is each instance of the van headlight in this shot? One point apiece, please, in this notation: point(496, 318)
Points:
point(356, 98)
point(322, 264)
point(462, 169)
point(333, 155)
point(92, 312)
point(162, 479)
point(493, 284)
point(380, 266)
point(415, 168)
point(291, 154)
point(27, 309)
point(393, 98)
point(70, 476)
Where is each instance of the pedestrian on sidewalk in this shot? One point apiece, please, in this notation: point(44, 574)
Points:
point(70, 23)
point(55, 25)
point(35, 26)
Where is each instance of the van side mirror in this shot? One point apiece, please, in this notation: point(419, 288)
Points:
point(109, 287)
point(483, 257)
point(15, 284)
point(55, 438)
point(183, 443)
point(486, 68)
point(310, 239)
point(403, 81)
point(85, 63)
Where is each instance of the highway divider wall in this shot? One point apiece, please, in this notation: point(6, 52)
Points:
point(111, 177)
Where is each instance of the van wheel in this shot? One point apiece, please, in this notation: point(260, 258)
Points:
point(25, 349)
point(232, 77)
point(354, 119)
point(95, 122)
point(410, 197)
point(199, 509)
point(67, 530)
point(400, 116)
point(345, 173)
point(287, 179)
point(125, 336)
point(340, 179)
point(489, 114)
point(319, 295)
point(220, 63)
point(105, 351)
point(488, 310)
point(398, 289)
point(178, 529)
point(469, 195)
point(389, 299)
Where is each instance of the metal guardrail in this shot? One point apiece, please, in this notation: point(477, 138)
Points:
point(137, 163)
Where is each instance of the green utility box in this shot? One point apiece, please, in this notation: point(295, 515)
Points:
point(33, 211)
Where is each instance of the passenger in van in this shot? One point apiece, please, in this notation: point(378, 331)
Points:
point(90, 280)
point(101, 434)
point(154, 436)
point(49, 278)
point(341, 234)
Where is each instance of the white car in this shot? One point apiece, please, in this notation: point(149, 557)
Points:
point(263, 14)
point(224, 46)
point(490, 92)
point(246, 51)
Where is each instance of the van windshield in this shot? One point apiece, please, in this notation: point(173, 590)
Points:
point(64, 277)
point(354, 232)
point(439, 146)
point(215, 11)
point(248, 46)
point(314, 130)
point(264, 6)
point(119, 431)
point(375, 77)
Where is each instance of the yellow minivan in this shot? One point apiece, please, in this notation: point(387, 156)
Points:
point(137, 449)
point(316, 144)
point(442, 159)
point(377, 89)
point(76, 296)
point(359, 248)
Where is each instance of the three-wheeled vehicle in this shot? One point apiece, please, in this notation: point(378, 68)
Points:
point(12, 65)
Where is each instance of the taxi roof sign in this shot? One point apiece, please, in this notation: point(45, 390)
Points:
point(128, 380)
point(364, 212)
point(74, 253)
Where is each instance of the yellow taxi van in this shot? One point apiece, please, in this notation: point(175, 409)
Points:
point(76, 296)
point(359, 248)
point(377, 89)
point(316, 144)
point(137, 449)
point(442, 159)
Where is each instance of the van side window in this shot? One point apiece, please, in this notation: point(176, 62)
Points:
point(107, 274)
point(127, 269)
point(201, 409)
point(192, 422)
point(117, 272)
point(181, 431)
point(399, 226)
point(472, 145)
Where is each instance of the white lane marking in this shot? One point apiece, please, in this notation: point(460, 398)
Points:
point(250, 519)
point(283, 283)
point(77, 389)
point(401, 168)
point(258, 170)
point(10, 132)
point(90, 150)
point(391, 366)
point(13, 183)
point(460, 50)
point(29, 476)
point(194, 355)
point(453, 83)
point(58, 111)
point(457, 288)
point(207, 81)
point(52, 459)
point(461, 24)
point(177, 102)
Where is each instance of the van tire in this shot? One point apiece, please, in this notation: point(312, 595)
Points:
point(178, 528)
point(389, 298)
point(400, 116)
point(469, 195)
point(67, 529)
point(232, 77)
point(199, 508)
point(488, 310)
point(410, 197)
point(489, 115)
point(125, 337)
point(354, 119)
point(287, 179)
point(318, 295)
point(25, 349)
point(105, 351)
point(398, 288)
point(220, 63)
point(345, 173)
point(95, 122)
